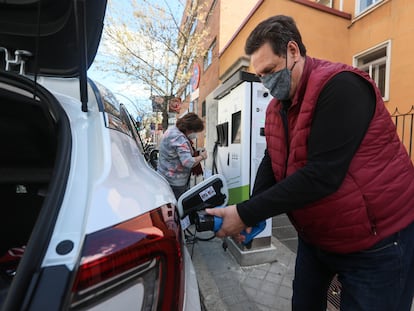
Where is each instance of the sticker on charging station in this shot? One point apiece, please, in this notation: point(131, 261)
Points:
point(207, 194)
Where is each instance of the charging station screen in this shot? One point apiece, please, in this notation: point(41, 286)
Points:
point(236, 127)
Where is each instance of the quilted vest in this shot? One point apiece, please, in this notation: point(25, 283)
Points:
point(376, 198)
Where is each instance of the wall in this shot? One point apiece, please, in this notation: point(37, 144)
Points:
point(317, 28)
point(337, 38)
point(340, 36)
point(232, 15)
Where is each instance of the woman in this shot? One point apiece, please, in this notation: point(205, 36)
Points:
point(177, 157)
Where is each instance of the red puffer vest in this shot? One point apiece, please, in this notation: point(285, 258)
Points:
point(376, 198)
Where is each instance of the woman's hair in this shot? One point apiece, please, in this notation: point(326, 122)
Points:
point(277, 31)
point(190, 122)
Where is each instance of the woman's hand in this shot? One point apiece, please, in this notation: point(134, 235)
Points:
point(203, 154)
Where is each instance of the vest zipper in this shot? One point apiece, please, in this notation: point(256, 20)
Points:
point(283, 114)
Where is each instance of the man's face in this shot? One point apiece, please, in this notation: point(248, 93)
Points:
point(265, 61)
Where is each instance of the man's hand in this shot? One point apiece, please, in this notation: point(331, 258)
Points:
point(232, 223)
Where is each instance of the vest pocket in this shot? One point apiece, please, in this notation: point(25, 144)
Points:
point(371, 218)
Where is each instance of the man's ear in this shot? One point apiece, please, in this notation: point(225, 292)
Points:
point(293, 50)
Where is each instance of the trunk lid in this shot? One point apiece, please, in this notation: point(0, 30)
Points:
point(55, 38)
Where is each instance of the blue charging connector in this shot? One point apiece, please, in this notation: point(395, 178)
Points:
point(218, 221)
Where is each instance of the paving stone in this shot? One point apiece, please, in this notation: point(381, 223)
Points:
point(224, 285)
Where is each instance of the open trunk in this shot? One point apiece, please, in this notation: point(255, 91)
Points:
point(34, 161)
point(38, 38)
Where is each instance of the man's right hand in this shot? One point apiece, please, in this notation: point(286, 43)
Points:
point(232, 223)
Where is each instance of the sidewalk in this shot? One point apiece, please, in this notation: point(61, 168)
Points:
point(226, 286)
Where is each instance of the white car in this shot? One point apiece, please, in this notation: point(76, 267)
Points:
point(87, 223)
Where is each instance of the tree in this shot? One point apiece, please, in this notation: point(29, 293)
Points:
point(148, 43)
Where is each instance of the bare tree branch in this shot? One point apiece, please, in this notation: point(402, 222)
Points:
point(150, 45)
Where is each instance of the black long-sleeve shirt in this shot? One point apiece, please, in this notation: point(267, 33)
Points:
point(342, 115)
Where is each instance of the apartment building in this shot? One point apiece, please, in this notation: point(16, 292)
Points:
point(204, 69)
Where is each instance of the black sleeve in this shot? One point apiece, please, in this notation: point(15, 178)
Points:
point(344, 110)
point(264, 177)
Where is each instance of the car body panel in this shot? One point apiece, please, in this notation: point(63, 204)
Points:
point(192, 295)
point(118, 186)
point(128, 189)
point(118, 173)
point(100, 177)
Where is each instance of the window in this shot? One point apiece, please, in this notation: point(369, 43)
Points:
point(208, 59)
point(193, 106)
point(211, 11)
point(134, 130)
point(188, 89)
point(193, 27)
point(203, 109)
point(376, 62)
point(363, 5)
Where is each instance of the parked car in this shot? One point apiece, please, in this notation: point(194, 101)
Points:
point(87, 223)
point(151, 152)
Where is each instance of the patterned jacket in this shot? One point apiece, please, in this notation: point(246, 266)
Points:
point(175, 157)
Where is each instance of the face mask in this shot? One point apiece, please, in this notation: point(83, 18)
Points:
point(192, 136)
point(278, 83)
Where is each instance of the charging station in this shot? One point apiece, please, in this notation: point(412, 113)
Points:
point(240, 146)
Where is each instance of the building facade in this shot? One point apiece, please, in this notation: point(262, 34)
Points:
point(373, 35)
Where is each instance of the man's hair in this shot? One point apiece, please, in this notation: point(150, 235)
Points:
point(190, 122)
point(277, 31)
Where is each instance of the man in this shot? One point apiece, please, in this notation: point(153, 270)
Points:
point(335, 164)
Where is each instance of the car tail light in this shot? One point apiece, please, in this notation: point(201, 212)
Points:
point(140, 260)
